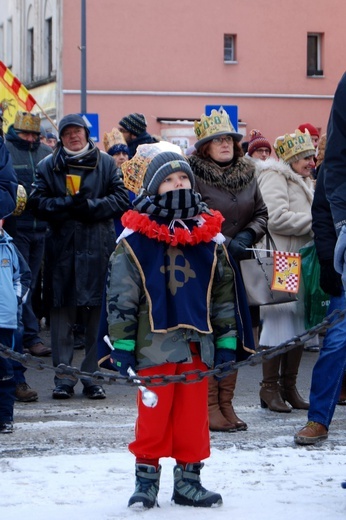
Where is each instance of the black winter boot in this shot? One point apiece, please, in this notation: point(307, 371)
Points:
point(188, 490)
point(147, 486)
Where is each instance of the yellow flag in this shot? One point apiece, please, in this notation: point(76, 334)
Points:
point(286, 276)
point(14, 96)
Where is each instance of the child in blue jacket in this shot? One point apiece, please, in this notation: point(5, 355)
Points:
point(11, 293)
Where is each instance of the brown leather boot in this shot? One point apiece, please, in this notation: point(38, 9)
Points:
point(217, 422)
point(289, 370)
point(270, 395)
point(226, 394)
point(342, 396)
point(271, 398)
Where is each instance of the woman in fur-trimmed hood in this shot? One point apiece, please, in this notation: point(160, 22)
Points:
point(287, 190)
point(226, 180)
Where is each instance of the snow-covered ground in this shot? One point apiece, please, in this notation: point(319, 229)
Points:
point(69, 459)
point(267, 478)
point(279, 483)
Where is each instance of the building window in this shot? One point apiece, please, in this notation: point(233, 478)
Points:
point(30, 55)
point(229, 41)
point(314, 56)
point(48, 46)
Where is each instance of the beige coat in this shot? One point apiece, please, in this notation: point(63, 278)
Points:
point(288, 197)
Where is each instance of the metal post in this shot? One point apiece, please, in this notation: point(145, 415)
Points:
point(83, 58)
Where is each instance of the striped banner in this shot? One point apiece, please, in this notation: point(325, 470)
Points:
point(14, 96)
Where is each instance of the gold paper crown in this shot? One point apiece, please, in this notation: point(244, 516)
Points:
point(290, 145)
point(26, 122)
point(217, 123)
point(134, 169)
point(113, 137)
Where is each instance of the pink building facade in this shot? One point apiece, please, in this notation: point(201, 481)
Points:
point(278, 62)
point(166, 59)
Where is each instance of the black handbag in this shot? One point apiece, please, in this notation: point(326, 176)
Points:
point(257, 273)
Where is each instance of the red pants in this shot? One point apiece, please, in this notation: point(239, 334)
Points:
point(178, 426)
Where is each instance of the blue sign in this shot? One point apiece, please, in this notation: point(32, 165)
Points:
point(92, 122)
point(232, 111)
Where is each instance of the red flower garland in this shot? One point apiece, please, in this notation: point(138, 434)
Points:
point(143, 224)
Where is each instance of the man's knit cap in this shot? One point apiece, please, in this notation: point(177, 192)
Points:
point(134, 123)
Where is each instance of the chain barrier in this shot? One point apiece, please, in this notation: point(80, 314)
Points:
point(192, 376)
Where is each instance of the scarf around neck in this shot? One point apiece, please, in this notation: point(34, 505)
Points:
point(176, 204)
point(85, 160)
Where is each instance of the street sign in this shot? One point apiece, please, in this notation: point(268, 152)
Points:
point(232, 111)
point(92, 122)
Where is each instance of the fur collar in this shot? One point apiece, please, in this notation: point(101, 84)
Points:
point(273, 166)
point(232, 178)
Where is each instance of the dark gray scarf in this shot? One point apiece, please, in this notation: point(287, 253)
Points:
point(172, 205)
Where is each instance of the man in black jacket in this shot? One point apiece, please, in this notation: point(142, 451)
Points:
point(26, 150)
point(78, 191)
point(23, 143)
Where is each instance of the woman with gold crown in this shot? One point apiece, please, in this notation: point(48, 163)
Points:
point(287, 190)
point(227, 183)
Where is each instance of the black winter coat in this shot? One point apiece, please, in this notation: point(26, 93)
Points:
point(25, 157)
point(325, 237)
point(335, 157)
point(78, 246)
point(8, 182)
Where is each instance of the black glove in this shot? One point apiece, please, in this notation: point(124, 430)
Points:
point(238, 244)
point(330, 280)
point(223, 355)
point(122, 360)
point(80, 208)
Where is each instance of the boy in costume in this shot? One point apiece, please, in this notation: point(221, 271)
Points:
point(171, 309)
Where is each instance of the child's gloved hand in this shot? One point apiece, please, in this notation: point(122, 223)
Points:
point(340, 256)
point(122, 360)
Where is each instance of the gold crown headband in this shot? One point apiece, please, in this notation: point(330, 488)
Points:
point(27, 122)
point(289, 145)
point(134, 169)
point(113, 137)
point(217, 123)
